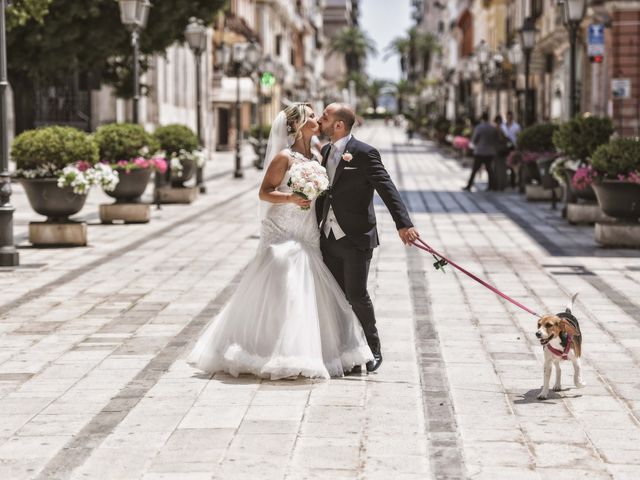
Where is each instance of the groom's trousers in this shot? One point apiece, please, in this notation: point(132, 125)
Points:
point(350, 267)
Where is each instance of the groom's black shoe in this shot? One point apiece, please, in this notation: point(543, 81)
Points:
point(374, 364)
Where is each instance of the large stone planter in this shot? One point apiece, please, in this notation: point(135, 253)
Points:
point(131, 185)
point(46, 198)
point(57, 204)
point(619, 199)
point(188, 170)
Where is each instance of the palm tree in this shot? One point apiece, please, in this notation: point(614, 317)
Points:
point(415, 47)
point(375, 88)
point(355, 45)
point(401, 47)
point(403, 89)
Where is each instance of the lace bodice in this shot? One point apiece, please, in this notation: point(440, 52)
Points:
point(286, 221)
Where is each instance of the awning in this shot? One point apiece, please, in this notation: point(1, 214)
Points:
point(226, 92)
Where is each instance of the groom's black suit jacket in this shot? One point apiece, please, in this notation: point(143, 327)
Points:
point(351, 194)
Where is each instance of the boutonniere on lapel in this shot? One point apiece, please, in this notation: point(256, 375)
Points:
point(347, 157)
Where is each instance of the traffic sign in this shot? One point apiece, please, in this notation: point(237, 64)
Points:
point(595, 40)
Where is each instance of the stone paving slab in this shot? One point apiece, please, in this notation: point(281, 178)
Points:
point(93, 382)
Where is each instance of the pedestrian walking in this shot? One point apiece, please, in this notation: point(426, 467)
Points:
point(511, 130)
point(500, 160)
point(485, 140)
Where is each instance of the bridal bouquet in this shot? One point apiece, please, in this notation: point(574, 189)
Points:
point(309, 180)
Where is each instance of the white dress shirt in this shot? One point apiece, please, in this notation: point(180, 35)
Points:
point(511, 131)
point(335, 155)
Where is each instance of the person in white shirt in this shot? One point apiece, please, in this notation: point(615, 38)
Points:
point(511, 129)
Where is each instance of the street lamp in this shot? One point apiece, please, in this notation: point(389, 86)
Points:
point(572, 14)
point(134, 15)
point(498, 60)
point(241, 59)
point(266, 79)
point(514, 55)
point(196, 35)
point(482, 54)
point(528, 39)
point(8, 252)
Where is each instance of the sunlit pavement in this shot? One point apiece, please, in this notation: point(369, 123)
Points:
point(93, 382)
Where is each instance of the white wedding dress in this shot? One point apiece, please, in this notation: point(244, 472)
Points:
point(289, 316)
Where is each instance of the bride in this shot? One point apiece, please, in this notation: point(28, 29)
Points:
point(288, 317)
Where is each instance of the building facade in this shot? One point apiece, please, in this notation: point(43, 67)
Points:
point(607, 85)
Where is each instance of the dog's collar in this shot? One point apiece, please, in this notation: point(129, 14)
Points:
point(560, 353)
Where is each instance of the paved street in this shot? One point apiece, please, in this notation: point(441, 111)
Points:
point(93, 382)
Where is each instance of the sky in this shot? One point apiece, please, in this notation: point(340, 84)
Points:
point(384, 20)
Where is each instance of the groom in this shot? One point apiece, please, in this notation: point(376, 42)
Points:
point(346, 215)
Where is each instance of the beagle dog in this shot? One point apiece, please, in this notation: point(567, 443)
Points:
point(561, 339)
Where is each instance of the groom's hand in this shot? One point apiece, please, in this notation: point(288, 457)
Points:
point(408, 235)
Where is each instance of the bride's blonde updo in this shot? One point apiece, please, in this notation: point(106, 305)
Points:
point(296, 118)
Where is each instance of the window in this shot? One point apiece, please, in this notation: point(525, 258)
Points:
point(278, 44)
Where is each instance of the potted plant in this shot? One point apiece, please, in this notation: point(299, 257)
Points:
point(181, 146)
point(132, 152)
point(57, 167)
point(577, 139)
point(615, 178)
point(536, 151)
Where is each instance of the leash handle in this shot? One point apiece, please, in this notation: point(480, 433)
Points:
point(424, 246)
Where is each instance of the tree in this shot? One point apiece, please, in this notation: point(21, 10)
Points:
point(88, 37)
point(20, 11)
point(401, 47)
point(355, 45)
point(403, 89)
point(414, 50)
point(374, 90)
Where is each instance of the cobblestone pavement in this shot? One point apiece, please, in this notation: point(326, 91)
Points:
point(93, 383)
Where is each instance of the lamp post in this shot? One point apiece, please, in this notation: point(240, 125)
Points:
point(134, 15)
point(8, 253)
point(528, 39)
point(196, 35)
point(514, 55)
point(572, 15)
point(482, 55)
point(266, 79)
point(498, 61)
point(240, 59)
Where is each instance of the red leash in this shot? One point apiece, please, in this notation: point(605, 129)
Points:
point(439, 264)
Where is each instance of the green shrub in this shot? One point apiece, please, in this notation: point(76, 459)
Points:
point(174, 138)
point(442, 125)
point(124, 141)
point(537, 138)
point(578, 138)
point(255, 130)
point(618, 157)
point(55, 145)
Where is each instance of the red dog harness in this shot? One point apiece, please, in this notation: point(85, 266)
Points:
point(563, 354)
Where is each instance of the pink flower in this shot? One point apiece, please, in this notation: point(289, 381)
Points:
point(347, 157)
point(460, 142)
point(160, 164)
point(83, 165)
point(141, 162)
point(583, 177)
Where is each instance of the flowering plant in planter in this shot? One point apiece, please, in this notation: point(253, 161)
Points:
point(62, 153)
point(461, 143)
point(177, 159)
point(583, 177)
point(617, 160)
point(157, 163)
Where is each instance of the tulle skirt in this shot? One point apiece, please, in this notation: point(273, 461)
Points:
point(288, 318)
